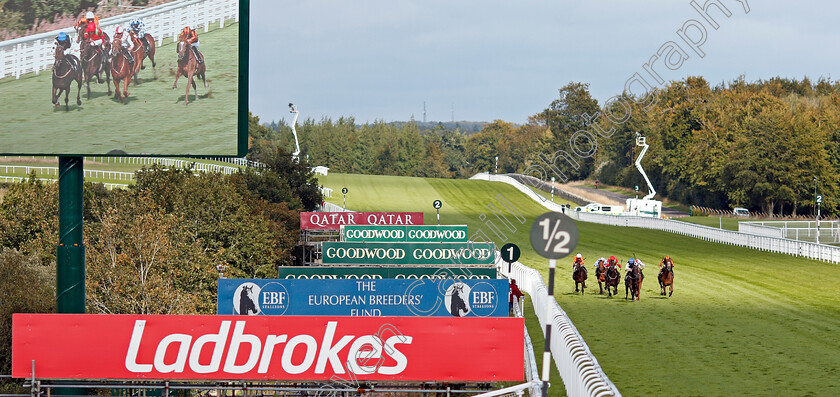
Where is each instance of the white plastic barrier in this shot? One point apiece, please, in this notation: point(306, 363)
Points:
point(581, 373)
point(35, 53)
point(522, 188)
point(820, 252)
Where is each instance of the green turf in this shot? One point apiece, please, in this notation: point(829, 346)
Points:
point(153, 119)
point(741, 322)
point(713, 221)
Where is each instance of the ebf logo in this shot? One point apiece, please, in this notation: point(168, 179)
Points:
point(483, 299)
point(457, 299)
point(250, 299)
point(246, 299)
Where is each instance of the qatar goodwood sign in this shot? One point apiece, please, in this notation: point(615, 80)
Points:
point(79, 346)
point(334, 220)
point(455, 254)
point(424, 233)
point(378, 273)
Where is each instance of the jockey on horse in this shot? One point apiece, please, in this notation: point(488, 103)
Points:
point(94, 34)
point(88, 19)
point(666, 265)
point(138, 29)
point(578, 262)
point(126, 43)
point(613, 262)
point(191, 37)
point(63, 42)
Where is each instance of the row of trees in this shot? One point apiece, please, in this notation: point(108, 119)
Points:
point(757, 145)
point(159, 246)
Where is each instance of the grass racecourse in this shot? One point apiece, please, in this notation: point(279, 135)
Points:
point(154, 114)
point(740, 322)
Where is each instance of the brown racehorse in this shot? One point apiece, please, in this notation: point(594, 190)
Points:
point(66, 69)
point(579, 275)
point(612, 278)
point(138, 52)
point(121, 70)
point(600, 274)
point(188, 66)
point(94, 62)
point(148, 51)
point(106, 46)
point(666, 277)
point(633, 283)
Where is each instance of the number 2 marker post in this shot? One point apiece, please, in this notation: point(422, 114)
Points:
point(553, 236)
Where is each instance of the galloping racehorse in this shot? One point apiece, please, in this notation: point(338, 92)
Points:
point(95, 60)
point(633, 283)
point(138, 53)
point(188, 66)
point(666, 277)
point(612, 277)
point(600, 274)
point(65, 70)
point(148, 51)
point(579, 275)
point(121, 70)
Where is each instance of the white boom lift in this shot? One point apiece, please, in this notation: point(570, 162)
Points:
point(293, 109)
point(644, 206)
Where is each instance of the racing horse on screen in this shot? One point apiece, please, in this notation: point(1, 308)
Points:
point(95, 61)
point(121, 70)
point(189, 67)
point(66, 69)
point(148, 47)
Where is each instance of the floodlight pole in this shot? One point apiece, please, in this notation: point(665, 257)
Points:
point(70, 255)
point(641, 141)
point(293, 109)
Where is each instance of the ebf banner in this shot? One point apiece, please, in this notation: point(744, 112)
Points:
point(344, 349)
point(378, 273)
point(376, 298)
point(452, 254)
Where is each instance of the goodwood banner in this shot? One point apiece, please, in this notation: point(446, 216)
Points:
point(451, 254)
point(334, 220)
point(84, 346)
point(378, 273)
point(376, 298)
point(424, 233)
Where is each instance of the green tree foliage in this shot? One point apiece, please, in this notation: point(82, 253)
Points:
point(21, 15)
point(26, 286)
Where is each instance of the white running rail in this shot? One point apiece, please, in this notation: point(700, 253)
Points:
point(578, 367)
point(484, 176)
point(820, 252)
point(35, 53)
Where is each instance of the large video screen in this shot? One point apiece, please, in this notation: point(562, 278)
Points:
point(165, 80)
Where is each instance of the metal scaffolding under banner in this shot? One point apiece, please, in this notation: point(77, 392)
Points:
point(47, 387)
point(310, 244)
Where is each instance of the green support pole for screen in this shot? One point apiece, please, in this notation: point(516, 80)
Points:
point(70, 258)
point(70, 274)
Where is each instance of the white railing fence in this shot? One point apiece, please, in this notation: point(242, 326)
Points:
point(35, 53)
point(820, 252)
point(544, 200)
point(578, 367)
point(172, 163)
point(17, 179)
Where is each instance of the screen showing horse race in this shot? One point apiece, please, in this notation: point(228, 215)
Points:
point(164, 80)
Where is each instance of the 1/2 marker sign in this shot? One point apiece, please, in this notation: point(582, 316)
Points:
point(554, 235)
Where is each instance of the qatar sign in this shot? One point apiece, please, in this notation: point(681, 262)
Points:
point(386, 297)
point(334, 220)
point(79, 346)
point(421, 233)
point(457, 254)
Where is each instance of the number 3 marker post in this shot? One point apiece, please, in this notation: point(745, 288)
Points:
point(553, 236)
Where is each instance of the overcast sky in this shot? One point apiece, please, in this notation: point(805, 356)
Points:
point(506, 59)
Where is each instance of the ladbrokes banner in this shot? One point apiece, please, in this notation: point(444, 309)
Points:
point(422, 233)
point(334, 220)
point(387, 297)
point(378, 273)
point(451, 254)
point(84, 346)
